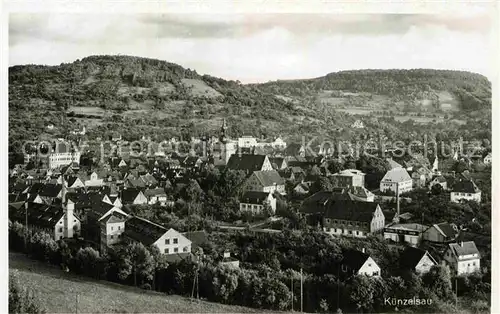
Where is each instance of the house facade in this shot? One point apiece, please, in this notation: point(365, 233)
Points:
point(112, 228)
point(348, 177)
point(173, 242)
point(396, 179)
point(352, 218)
point(465, 190)
point(417, 260)
point(410, 233)
point(441, 233)
point(265, 181)
point(255, 202)
point(356, 263)
point(463, 258)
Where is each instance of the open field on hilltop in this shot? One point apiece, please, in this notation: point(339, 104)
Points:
point(200, 88)
point(58, 292)
point(96, 111)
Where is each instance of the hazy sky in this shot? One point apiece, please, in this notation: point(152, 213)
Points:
point(259, 47)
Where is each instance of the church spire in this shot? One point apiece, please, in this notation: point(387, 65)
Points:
point(63, 191)
point(223, 129)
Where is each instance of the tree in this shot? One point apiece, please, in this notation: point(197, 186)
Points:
point(361, 293)
point(142, 262)
point(438, 280)
point(20, 299)
point(87, 261)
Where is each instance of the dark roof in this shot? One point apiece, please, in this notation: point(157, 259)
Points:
point(464, 248)
point(129, 195)
point(246, 162)
point(466, 186)
point(155, 192)
point(269, 178)
point(254, 197)
point(450, 231)
point(278, 161)
point(50, 190)
point(177, 257)
point(144, 231)
point(354, 259)
point(351, 210)
point(114, 217)
point(197, 238)
point(40, 215)
point(410, 257)
point(318, 202)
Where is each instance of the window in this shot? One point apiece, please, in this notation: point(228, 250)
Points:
point(369, 265)
point(176, 240)
point(111, 228)
point(176, 249)
point(166, 251)
point(60, 229)
point(111, 237)
point(119, 227)
point(167, 241)
point(185, 249)
point(473, 263)
point(327, 220)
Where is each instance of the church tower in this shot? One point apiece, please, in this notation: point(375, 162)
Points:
point(228, 147)
point(68, 208)
point(435, 164)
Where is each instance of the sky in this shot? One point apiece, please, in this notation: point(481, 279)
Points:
point(255, 48)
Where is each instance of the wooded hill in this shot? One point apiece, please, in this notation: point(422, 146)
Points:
point(140, 96)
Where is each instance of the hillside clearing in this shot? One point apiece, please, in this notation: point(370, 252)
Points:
point(58, 292)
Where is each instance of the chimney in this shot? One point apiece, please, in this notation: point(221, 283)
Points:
point(461, 244)
point(363, 250)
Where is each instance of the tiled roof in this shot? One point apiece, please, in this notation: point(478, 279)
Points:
point(464, 248)
point(351, 210)
point(129, 195)
point(397, 175)
point(144, 231)
point(411, 256)
point(393, 164)
point(466, 186)
point(448, 230)
point(155, 192)
point(269, 178)
point(318, 202)
point(354, 259)
point(246, 162)
point(253, 197)
point(40, 215)
point(197, 238)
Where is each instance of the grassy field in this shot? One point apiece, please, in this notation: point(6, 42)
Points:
point(58, 293)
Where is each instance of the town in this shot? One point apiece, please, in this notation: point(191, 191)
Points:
point(234, 219)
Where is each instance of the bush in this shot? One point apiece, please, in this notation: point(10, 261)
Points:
point(21, 300)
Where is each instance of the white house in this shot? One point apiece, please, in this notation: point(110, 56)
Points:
point(148, 233)
point(356, 262)
point(463, 257)
point(265, 181)
point(417, 260)
point(488, 159)
point(465, 190)
point(396, 178)
point(279, 143)
point(112, 228)
point(63, 159)
point(247, 142)
point(255, 201)
point(133, 196)
point(94, 180)
point(411, 233)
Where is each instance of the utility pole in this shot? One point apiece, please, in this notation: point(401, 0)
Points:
point(292, 290)
point(301, 292)
point(456, 292)
point(76, 302)
point(26, 228)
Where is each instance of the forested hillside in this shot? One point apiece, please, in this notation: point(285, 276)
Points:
point(145, 97)
point(472, 91)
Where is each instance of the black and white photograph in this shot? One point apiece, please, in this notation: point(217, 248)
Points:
point(250, 162)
